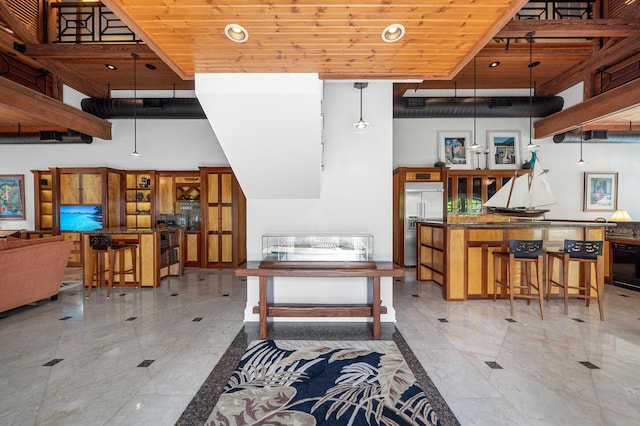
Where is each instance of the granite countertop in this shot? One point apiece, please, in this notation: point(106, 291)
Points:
point(135, 230)
point(623, 238)
point(523, 224)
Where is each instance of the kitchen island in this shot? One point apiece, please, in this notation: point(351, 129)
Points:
point(459, 256)
point(159, 253)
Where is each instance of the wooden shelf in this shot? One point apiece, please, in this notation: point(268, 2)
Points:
point(139, 199)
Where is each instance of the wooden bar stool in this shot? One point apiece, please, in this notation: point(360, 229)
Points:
point(525, 253)
point(101, 247)
point(584, 253)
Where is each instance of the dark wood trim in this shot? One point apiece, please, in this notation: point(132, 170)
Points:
point(52, 112)
point(620, 98)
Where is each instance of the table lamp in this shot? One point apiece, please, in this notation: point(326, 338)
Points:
point(620, 216)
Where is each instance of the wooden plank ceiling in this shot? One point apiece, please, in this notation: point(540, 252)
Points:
point(333, 38)
point(336, 39)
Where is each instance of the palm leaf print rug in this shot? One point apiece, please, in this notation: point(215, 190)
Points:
point(322, 382)
point(318, 382)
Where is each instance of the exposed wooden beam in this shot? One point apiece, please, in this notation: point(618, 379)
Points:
point(571, 28)
point(89, 51)
point(612, 102)
point(15, 25)
point(611, 55)
point(53, 112)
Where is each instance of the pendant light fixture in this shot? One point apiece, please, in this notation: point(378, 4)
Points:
point(361, 126)
point(135, 153)
point(531, 146)
point(581, 162)
point(474, 146)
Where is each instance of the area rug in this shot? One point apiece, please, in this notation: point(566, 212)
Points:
point(302, 382)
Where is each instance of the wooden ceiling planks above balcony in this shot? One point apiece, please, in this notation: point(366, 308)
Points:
point(337, 40)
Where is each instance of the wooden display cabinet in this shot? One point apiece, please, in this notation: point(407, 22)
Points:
point(223, 219)
point(45, 219)
point(431, 251)
point(57, 187)
point(140, 199)
point(468, 190)
point(178, 195)
point(170, 252)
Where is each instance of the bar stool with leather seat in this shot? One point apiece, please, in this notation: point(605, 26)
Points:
point(524, 253)
point(101, 246)
point(584, 253)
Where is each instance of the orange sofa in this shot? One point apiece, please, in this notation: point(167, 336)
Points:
point(31, 270)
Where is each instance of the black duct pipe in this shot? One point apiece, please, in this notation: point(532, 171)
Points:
point(486, 106)
point(44, 138)
point(598, 136)
point(172, 108)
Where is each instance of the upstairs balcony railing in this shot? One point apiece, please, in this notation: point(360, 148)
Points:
point(87, 22)
point(92, 22)
point(557, 10)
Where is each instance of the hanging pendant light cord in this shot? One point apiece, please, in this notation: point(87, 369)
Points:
point(530, 87)
point(475, 115)
point(361, 104)
point(135, 103)
point(135, 153)
point(581, 137)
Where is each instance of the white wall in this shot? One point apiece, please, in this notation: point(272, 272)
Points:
point(356, 183)
point(415, 145)
point(355, 196)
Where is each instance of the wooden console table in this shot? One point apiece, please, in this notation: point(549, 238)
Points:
point(267, 309)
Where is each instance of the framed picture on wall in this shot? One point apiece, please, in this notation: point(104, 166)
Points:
point(12, 197)
point(504, 149)
point(453, 149)
point(600, 191)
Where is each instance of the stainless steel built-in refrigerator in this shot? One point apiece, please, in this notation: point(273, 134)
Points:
point(422, 201)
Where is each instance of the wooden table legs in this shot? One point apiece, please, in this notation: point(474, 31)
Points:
point(267, 310)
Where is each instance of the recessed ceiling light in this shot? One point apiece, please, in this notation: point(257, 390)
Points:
point(150, 66)
point(111, 67)
point(494, 64)
point(393, 33)
point(236, 33)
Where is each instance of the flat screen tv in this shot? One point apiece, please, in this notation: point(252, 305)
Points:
point(80, 218)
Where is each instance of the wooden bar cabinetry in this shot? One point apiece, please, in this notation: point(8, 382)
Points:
point(208, 204)
point(179, 196)
point(467, 250)
point(158, 254)
point(468, 190)
point(430, 265)
point(223, 219)
point(44, 210)
point(56, 187)
point(140, 199)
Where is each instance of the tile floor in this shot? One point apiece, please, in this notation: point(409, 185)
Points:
point(139, 358)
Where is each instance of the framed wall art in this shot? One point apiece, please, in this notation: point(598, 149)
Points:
point(504, 149)
point(12, 197)
point(453, 149)
point(600, 191)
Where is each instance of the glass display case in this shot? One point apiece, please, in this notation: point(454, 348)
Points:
point(333, 250)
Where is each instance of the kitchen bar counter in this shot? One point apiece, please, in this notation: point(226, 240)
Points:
point(459, 256)
point(159, 253)
point(524, 223)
